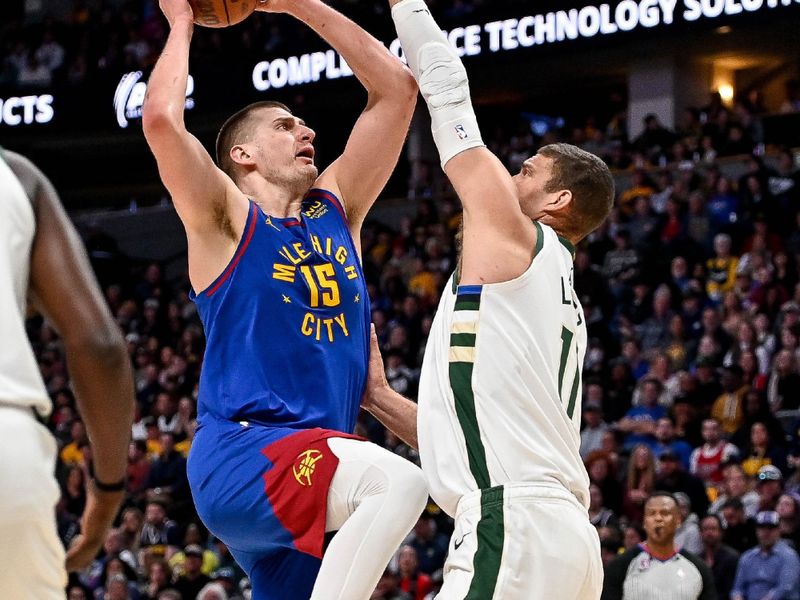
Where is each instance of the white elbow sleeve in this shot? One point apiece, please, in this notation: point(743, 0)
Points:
point(441, 77)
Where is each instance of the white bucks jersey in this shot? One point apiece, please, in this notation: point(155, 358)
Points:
point(20, 381)
point(500, 391)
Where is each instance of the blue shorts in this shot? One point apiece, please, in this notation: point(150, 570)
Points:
point(263, 491)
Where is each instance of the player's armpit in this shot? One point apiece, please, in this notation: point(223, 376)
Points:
point(201, 192)
point(499, 240)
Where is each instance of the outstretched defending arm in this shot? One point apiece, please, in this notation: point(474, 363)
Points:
point(371, 153)
point(63, 287)
point(498, 238)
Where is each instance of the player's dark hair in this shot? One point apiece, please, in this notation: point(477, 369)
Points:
point(235, 130)
point(590, 181)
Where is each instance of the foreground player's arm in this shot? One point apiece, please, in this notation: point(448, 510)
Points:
point(498, 239)
point(397, 413)
point(63, 288)
point(200, 191)
point(374, 146)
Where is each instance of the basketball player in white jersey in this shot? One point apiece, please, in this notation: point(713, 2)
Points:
point(42, 260)
point(499, 400)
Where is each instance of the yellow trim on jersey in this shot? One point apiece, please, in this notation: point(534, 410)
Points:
point(462, 354)
point(464, 327)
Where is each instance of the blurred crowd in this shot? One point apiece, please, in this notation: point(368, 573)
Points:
point(70, 44)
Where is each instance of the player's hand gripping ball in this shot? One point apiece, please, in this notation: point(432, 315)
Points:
point(222, 13)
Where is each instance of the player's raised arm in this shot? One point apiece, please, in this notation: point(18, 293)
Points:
point(377, 138)
point(498, 238)
point(199, 190)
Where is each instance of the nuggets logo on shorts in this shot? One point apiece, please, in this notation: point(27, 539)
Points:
point(305, 464)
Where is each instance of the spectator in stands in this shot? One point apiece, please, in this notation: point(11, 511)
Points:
point(117, 572)
point(728, 408)
point(159, 578)
point(673, 478)
point(707, 387)
point(159, 533)
point(33, 73)
point(761, 451)
point(74, 491)
point(740, 531)
point(602, 473)
point(688, 533)
point(788, 509)
point(644, 225)
point(784, 186)
point(633, 536)
point(665, 441)
point(707, 460)
point(599, 515)
point(769, 482)
point(389, 588)
point(71, 453)
point(722, 267)
point(771, 570)
point(756, 410)
point(655, 141)
point(621, 265)
point(736, 485)
point(431, 545)
point(138, 468)
point(168, 473)
point(783, 388)
point(593, 424)
point(50, 53)
point(654, 331)
point(413, 582)
point(640, 482)
point(640, 421)
point(721, 559)
point(192, 578)
point(192, 538)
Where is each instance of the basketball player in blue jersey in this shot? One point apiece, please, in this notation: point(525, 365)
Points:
point(274, 265)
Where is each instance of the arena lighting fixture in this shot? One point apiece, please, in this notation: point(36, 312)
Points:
point(726, 92)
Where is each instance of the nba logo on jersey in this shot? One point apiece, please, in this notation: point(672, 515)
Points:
point(461, 132)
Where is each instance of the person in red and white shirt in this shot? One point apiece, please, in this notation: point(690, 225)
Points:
point(707, 460)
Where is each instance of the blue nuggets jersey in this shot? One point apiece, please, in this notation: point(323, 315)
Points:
point(287, 323)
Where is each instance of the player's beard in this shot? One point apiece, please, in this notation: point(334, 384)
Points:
point(297, 180)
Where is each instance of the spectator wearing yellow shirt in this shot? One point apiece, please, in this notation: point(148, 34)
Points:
point(728, 408)
point(71, 454)
point(721, 268)
point(193, 538)
point(423, 284)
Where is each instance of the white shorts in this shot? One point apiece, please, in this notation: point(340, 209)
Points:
point(522, 542)
point(31, 554)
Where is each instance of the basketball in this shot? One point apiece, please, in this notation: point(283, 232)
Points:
point(221, 13)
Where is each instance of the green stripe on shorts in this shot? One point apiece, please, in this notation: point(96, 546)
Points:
point(491, 536)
